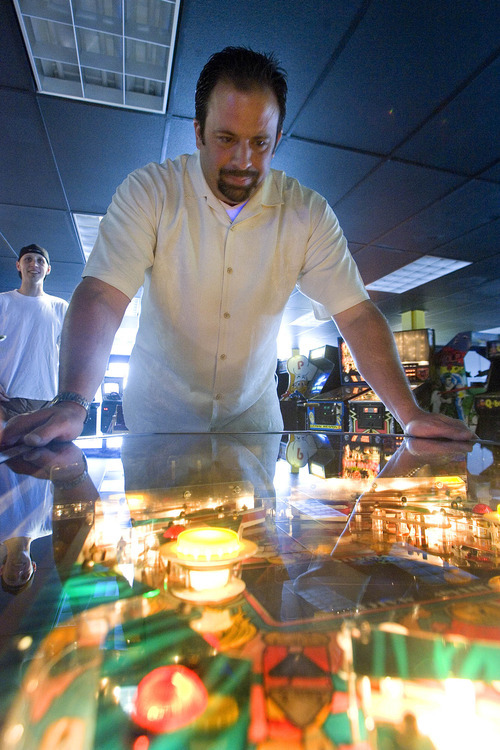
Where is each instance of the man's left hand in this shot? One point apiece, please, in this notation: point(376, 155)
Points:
point(427, 425)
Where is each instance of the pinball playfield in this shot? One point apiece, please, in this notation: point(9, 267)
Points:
point(254, 591)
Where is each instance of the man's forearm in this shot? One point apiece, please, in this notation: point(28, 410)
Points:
point(91, 322)
point(374, 350)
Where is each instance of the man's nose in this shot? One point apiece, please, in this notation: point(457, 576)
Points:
point(242, 155)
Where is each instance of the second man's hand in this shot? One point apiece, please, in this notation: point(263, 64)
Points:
point(63, 422)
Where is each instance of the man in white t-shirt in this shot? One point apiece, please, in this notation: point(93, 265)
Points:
point(31, 323)
point(219, 240)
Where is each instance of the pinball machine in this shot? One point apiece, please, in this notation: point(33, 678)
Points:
point(256, 591)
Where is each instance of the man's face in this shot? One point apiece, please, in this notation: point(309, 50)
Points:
point(33, 266)
point(239, 140)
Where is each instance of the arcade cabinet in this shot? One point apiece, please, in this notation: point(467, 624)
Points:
point(487, 405)
point(351, 406)
point(354, 407)
point(112, 394)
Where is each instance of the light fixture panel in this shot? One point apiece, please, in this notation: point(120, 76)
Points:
point(114, 52)
point(421, 271)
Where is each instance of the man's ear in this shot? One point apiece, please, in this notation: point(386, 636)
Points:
point(197, 132)
point(278, 139)
point(49, 269)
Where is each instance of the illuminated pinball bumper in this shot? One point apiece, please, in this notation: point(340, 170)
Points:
point(205, 564)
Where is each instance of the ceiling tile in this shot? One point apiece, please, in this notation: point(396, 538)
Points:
point(29, 172)
point(96, 147)
point(21, 225)
point(398, 67)
point(482, 242)
point(295, 31)
point(465, 209)
point(372, 259)
point(15, 71)
point(390, 195)
point(463, 136)
point(330, 171)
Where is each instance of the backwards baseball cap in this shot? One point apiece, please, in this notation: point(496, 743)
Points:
point(33, 248)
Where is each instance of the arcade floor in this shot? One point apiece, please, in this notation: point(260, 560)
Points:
point(221, 592)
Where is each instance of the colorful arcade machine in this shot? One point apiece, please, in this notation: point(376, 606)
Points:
point(487, 405)
point(309, 377)
point(354, 407)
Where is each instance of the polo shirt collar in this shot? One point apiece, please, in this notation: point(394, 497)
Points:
point(269, 193)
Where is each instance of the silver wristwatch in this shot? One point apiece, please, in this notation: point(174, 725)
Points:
point(70, 396)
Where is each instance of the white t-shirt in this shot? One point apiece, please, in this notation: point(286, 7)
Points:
point(25, 505)
point(29, 355)
point(214, 290)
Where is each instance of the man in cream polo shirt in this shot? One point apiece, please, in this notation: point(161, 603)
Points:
point(219, 240)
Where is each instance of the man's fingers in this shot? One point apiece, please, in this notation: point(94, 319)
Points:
point(18, 426)
point(41, 427)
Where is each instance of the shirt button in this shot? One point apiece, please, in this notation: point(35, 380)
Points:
point(218, 396)
point(222, 356)
point(229, 269)
point(227, 315)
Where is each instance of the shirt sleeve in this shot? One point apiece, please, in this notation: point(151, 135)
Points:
point(330, 275)
point(126, 241)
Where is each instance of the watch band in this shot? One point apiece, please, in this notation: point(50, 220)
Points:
point(70, 396)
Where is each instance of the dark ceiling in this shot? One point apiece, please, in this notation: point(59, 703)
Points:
point(392, 115)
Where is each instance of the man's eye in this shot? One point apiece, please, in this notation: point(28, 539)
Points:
point(224, 138)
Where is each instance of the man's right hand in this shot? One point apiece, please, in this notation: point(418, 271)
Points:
point(63, 422)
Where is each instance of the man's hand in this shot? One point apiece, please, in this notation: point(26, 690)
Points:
point(49, 461)
point(63, 422)
point(426, 425)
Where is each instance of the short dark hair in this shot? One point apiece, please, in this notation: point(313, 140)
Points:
point(245, 69)
point(33, 248)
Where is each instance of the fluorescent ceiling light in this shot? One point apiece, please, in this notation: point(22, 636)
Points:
point(87, 226)
point(116, 52)
point(425, 269)
point(308, 320)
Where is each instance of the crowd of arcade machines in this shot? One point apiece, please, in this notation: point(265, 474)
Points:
point(325, 392)
point(336, 398)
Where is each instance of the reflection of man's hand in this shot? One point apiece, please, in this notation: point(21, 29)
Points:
point(438, 456)
point(431, 451)
point(439, 426)
point(50, 462)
